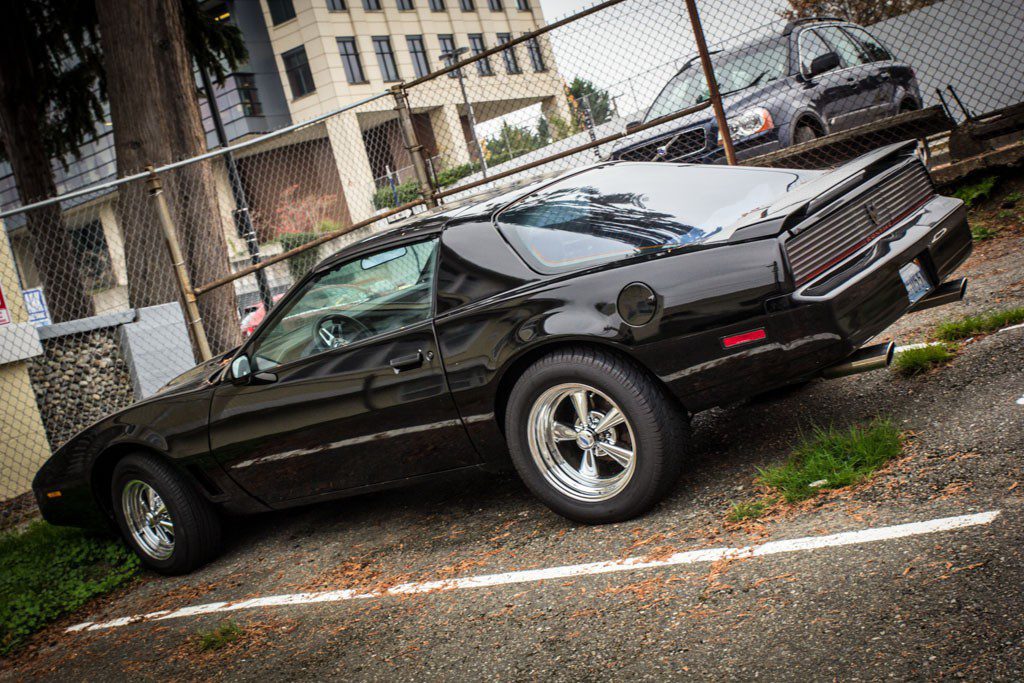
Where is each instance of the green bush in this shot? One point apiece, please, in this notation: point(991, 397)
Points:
point(452, 175)
point(384, 198)
point(300, 264)
point(976, 192)
point(831, 459)
point(48, 571)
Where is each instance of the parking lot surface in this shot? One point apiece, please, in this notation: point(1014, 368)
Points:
point(941, 604)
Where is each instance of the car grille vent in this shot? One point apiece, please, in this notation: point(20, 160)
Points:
point(841, 233)
point(677, 147)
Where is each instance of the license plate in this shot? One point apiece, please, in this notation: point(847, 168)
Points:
point(915, 280)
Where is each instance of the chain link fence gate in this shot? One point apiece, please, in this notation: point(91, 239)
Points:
point(96, 309)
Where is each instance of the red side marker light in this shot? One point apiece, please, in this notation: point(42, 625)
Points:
point(744, 338)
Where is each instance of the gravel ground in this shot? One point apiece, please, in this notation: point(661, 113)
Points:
point(942, 606)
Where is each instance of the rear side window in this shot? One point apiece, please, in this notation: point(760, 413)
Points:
point(614, 212)
point(873, 50)
point(849, 53)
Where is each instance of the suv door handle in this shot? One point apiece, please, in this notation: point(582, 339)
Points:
point(413, 360)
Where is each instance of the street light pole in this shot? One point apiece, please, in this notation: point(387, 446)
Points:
point(451, 57)
point(243, 222)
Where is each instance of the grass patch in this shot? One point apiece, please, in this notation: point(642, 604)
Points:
point(918, 361)
point(48, 571)
point(980, 233)
point(951, 330)
point(974, 193)
point(216, 638)
point(751, 509)
point(831, 459)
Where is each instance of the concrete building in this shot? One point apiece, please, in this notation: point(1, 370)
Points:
point(307, 58)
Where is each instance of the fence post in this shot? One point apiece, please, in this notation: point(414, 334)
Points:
point(412, 144)
point(195, 322)
point(709, 75)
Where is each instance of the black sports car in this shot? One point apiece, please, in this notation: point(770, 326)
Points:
point(575, 323)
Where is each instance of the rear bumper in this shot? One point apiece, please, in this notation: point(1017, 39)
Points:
point(863, 296)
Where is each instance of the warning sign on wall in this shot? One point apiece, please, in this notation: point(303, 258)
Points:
point(5, 315)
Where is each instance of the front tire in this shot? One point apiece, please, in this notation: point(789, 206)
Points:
point(168, 524)
point(593, 436)
point(804, 132)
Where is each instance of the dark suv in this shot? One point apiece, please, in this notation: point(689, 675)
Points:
point(818, 76)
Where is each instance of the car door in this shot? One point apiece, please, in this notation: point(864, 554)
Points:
point(879, 73)
point(864, 86)
point(343, 387)
point(830, 93)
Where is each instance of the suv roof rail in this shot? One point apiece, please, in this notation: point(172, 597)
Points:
point(793, 23)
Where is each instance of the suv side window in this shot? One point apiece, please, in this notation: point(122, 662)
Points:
point(358, 299)
point(811, 46)
point(848, 51)
point(873, 50)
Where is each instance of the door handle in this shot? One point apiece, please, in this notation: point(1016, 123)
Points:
point(413, 360)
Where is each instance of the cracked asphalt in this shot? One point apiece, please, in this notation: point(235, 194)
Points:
point(934, 607)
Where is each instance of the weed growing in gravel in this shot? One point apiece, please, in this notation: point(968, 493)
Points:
point(971, 325)
point(751, 509)
point(47, 571)
point(918, 361)
point(216, 638)
point(831, 459)
point(976, 192)
point(980, 233)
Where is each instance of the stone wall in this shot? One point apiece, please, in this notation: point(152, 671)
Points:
point(79, 378)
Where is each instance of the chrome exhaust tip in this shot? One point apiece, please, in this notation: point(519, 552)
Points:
point(864, 359)
point(946, 293)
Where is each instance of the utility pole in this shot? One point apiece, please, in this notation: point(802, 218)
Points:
point(243, 221)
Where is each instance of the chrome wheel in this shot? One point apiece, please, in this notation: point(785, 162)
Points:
point(582, 442)
point(149, 520)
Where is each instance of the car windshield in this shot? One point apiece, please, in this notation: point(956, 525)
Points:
point(614, 212)
point(734, 70)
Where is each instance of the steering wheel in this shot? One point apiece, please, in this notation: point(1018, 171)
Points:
point(336, 330)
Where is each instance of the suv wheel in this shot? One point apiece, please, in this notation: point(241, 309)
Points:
point(804, 132)
point(593, 436)
point(168, 524)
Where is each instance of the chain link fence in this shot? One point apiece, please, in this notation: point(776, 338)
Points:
point(99, 312)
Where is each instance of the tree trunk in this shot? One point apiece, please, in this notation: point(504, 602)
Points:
point(23, 142)
point(155, 115)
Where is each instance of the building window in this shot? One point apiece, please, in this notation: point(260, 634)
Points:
point(405, 5)
point(536, 56)
point(248, 95)
point(447, 43)
point(300, 78)
point(385, 58)
point(280, 11)
point(350, 59)
point(336, 6)
point(509, 55)
point(476, 43)
point(523, 5)
point(495, 5)
point(436, 5)
point(467, 5)
point(420, 61)
point(371, 5)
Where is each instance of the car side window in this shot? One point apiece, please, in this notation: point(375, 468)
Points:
point(359, 299)
point(843, 45)
point(811, 47)
point(873, 50)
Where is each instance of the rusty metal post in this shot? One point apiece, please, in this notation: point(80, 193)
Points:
point(709, 75)
point(412, 144)
point(195, 321)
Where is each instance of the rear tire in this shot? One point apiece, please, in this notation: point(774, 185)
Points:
point(168, 524)
point(631, 465)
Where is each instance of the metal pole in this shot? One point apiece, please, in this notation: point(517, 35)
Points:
point(472, 123)
point(195, 321)
point(709, 76)
point(243, 222)
point(412, 145)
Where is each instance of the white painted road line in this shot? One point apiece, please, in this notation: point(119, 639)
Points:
point(533, 575)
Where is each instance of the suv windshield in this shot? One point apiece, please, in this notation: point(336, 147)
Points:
point(613, 212)
point(734, 70)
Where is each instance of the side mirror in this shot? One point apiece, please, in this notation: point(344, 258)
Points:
point(633, 125)
point(823, 63)
point(240, 368)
